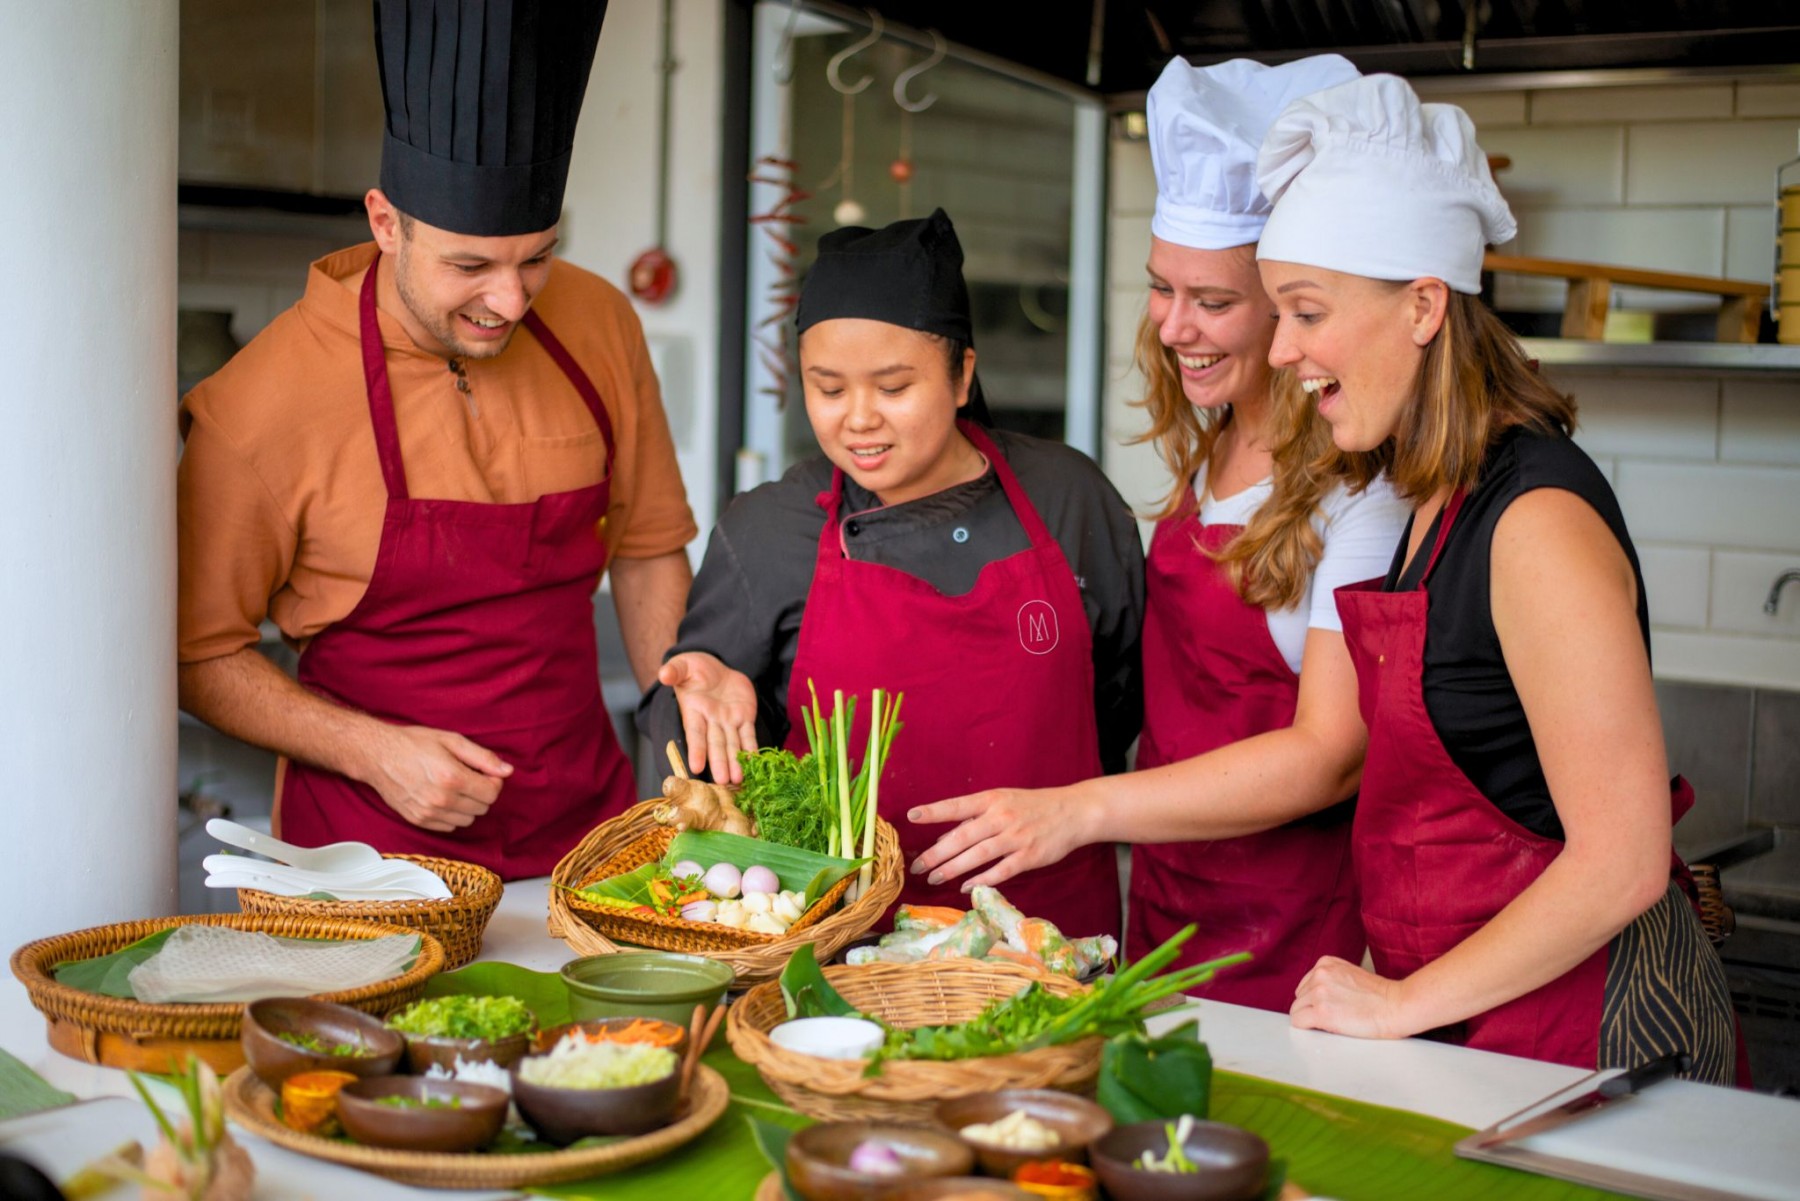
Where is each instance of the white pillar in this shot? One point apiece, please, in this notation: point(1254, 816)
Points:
point(87, 493)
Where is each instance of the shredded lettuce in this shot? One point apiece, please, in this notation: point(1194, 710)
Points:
point(486, 1018)
point(576, 1063)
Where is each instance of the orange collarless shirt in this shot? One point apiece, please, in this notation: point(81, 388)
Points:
point(280, 494)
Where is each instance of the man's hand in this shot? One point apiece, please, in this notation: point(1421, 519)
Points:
point(718, 712)
point(434, 779)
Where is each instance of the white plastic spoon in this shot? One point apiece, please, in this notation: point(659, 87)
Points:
point(282, 886)
point(389, 874)
point(338, 857)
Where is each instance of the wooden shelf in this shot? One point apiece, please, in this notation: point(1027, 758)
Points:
point(1704, 358)
point(1590, 293)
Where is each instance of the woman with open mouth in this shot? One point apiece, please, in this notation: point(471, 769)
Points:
point(1512, 833)
point(994, 579)
point(1238, 811)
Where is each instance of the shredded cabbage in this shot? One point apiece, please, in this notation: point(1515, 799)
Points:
point(576, 1063)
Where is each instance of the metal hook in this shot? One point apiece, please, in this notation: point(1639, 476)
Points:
point(843, 56)
point(902, 80)
point(784, 56)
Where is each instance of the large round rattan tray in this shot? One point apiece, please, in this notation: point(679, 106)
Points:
point(457, 922)
point(907, 995)
point(250, 1103)
point(124, 1033)
point(608, 841)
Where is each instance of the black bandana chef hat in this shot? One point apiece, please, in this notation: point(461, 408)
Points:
point(907, 274)
point(482, 97)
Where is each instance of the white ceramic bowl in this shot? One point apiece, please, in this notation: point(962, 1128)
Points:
point(829, 1038)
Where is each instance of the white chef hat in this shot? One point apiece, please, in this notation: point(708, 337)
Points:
point(1367, 180)
point(1206, 124)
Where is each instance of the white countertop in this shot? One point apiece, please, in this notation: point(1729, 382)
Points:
point(1471, 1088)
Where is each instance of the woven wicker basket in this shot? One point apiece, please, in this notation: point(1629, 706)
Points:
point(907, 995)
point(124, 1033)
point(457, 922)
point(631, 839)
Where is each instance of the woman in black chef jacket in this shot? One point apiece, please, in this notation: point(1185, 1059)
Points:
point(994, 579)
point(1512, 834)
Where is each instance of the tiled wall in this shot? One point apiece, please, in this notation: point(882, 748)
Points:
point(1675, 177)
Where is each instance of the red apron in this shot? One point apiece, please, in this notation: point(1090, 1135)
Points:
point(1435, 859)
point(1213, 676)
point(478, 619)
point(999, 686)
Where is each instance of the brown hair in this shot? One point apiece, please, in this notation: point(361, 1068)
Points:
point(1271, 561)
point(1474, 381)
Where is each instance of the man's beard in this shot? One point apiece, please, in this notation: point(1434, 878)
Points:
point(441, 326)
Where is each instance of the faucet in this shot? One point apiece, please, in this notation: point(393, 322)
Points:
point(1781, 581)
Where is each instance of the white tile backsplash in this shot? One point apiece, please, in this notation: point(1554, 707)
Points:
point(1721, 505)
point(1646, 418)
point(1760, 422)
point(1489, 110)
point(1706, 162)
point(1588, 106)
point(1560, 166)
point(1707, 658)
point(1768, 99)
point(1750, 243)
point(1128, 250)
point(1677, 583)
point(1740, 585)
point(1690, 241)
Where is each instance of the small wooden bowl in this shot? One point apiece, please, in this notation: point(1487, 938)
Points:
point(473, 1115)
point(425, 1051)
point(958, 1188)
point(1234, 1164)
point(818, 1158)
point(546, 1039)
point(274, 1060)
point(563, 1115)
point(1077, 1122)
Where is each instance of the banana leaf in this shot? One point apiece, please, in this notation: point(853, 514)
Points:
point(1144, 1078)
point(772, 1141)
point(806, 991)
point(799, 870)
point(110, 975)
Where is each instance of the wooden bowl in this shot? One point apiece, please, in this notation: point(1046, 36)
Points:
point(959, 1188)
point(1234, 1164)
point(469, 1117)
point(1077, 1122)
point(563, 1115)
point(547, 1039)
point(424, 1051)
point(273, 1059)
point(818, 1158)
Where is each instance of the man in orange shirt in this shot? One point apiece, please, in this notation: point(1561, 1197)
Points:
point(422, 495)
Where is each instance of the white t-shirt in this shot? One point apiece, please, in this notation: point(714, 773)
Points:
point(1360, 533)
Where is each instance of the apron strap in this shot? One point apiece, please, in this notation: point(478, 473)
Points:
point(553, 345)
point(1023, 509)
point(1452, 507)
point(832, 501)
point(381, 396)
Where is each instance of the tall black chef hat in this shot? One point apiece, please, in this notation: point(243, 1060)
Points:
point(907, 274)
point(482, 97)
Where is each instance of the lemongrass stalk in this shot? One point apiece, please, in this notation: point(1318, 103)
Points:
point(840, 739)
point(872, 804)
point(819, 738)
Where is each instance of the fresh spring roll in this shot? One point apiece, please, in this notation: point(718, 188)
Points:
point(1000, 914)
point(1042, 939)
point(862, 955)
point(969, 938)
point(925, 917)
point(1095, 952)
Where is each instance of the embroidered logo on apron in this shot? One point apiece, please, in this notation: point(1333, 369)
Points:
point(1038, 632)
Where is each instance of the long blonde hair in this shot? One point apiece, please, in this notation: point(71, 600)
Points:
point(1271, 561)
point(1474, 381)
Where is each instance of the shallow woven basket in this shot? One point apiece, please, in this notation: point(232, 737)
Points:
point(124, 1033)
point(907, 995)
point(675, 933)
point(457, 922)
point(609, 847)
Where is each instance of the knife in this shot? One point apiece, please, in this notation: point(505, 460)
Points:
point(1613, 1088)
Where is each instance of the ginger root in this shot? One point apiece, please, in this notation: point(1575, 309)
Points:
point(696, 805)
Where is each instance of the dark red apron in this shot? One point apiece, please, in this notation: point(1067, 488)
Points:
point(999, 686)
point(1435, 859)
point(1213, 676)
point(478, 619)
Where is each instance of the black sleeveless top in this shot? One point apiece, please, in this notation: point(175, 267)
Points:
point(1468, 690)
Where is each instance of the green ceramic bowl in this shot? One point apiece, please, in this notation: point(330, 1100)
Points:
point(651, 984)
